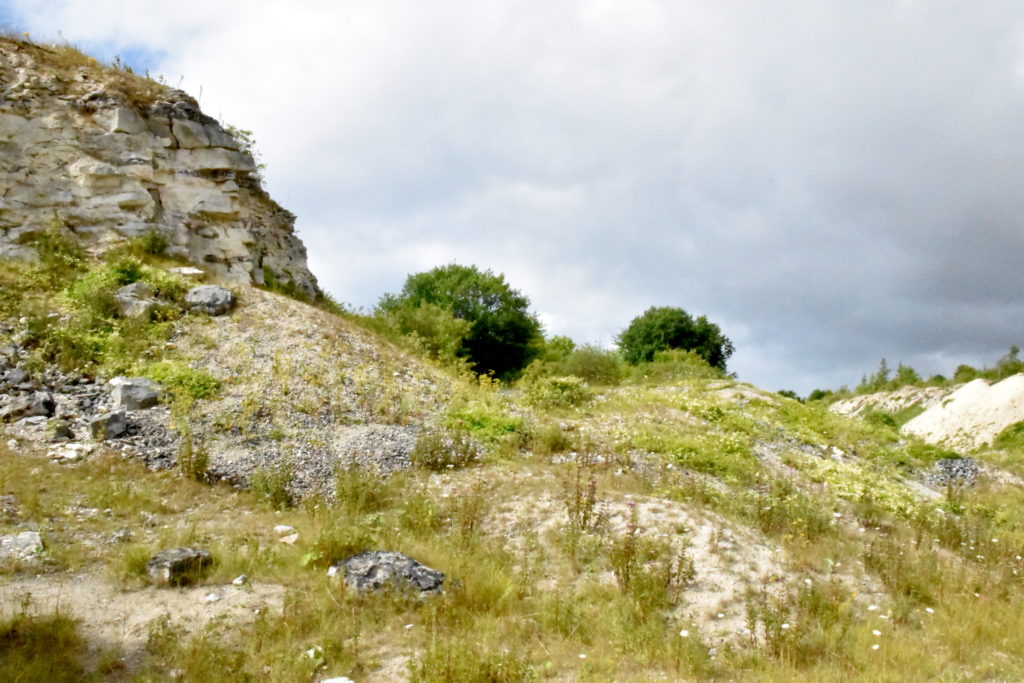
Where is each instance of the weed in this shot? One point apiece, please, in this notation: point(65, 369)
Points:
point(442, 449)
point(41, 648)
point(272, 483)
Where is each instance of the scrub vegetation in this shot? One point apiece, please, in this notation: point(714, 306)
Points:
point(595, 519)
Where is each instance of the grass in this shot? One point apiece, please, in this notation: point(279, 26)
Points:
point(565, 524)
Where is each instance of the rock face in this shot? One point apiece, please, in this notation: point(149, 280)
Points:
point(377, 569)
point(110, 156)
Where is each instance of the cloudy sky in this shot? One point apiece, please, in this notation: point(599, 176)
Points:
point(833, 182)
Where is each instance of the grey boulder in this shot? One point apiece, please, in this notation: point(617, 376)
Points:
point(178, 566)
point(36, 404)
point(134, 393)
point(108, 425)
point(209, 299)
point(378, 569)
point(135, 300)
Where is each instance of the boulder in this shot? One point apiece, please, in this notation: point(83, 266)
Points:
point(21, 547)
point(134, 393)
point(108, 425)
point(178, 566)
point(39, 403)
point(135, 300)
point(378, 569)
point(210, 299)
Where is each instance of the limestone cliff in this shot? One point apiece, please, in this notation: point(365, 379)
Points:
point(111, 155)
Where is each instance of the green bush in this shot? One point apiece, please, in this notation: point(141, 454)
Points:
point(557, 392)
point(597, 366)
point(437, 332)
point(183, 381)
point(670, 366)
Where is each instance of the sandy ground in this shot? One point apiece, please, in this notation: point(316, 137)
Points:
point(113, 618)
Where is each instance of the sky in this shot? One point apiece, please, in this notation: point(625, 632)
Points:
point(832, 182)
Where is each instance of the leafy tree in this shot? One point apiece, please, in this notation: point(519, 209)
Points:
point(664, 328)
point(503, 335)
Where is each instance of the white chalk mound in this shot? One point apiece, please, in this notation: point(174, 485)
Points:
point(972, 415)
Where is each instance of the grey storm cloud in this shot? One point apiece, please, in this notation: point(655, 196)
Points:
point(832, 182)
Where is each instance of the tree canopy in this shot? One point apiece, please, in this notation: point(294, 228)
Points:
point(502, 337)
point(663, 328)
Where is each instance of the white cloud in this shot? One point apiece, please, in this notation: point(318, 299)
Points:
point(827, 180)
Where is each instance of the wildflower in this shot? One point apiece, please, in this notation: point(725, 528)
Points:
point(837, 515)
point(876, 632)
point(582, 656)
point(808, 582)
point(929, 610)
point(875, 646)
point(684, 633)
point(785, 627)
point(872, 608)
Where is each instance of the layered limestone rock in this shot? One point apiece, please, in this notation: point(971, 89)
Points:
point(111, 156)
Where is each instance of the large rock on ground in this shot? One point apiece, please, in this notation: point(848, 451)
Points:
point(39, 403)
point(178, 566)
point(134, 393)
point(209, 299)
point(108, 425)
point(378, 569)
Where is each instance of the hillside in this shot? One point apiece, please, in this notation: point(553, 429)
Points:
point(675, 525)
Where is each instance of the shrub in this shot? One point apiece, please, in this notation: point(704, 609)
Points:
point(664, 328)
point(557, 392)
point(435, 330)
point(669, 366)
point(183, 381)
point(594, 364)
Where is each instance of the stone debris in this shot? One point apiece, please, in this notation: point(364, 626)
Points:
point(209, 299)
point(38, 403)
point(178, 566)
point(955, 472)
point(377, 569)
point(71, 452)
